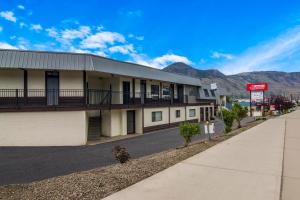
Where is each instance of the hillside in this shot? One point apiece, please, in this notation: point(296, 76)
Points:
point(279, 82)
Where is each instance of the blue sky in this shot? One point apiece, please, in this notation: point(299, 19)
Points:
point(232, 36)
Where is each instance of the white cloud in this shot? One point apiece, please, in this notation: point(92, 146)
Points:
point(123, 49)
point(8, 15)
point(4, 45)
point(270, 55)
point(101, 39)
point(36, 27)
point(139, 37)
point(70, 34)
point(52, 32)
point(22, 24)
point(134, 13)
point(161, 61)
point(218, 55)
point(76, 50)
point(167, 59)
point(136, 37)
point(21, 7)
point(12, 37)
point(101, 53)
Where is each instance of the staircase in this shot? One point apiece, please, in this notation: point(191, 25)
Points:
point(94, 129)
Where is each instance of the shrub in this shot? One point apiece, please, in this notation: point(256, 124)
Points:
point(121, 154)
point(228, 118)
point(239, 113)
point(188, 130)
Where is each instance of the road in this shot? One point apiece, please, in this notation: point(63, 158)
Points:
point(27, 164)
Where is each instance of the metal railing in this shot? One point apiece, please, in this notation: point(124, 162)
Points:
point(78, 98)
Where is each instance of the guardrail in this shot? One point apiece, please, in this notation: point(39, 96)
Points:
point(19, 98)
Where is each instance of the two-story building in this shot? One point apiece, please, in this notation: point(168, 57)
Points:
point(54, 98)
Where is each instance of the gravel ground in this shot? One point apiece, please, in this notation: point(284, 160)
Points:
point(101, 182)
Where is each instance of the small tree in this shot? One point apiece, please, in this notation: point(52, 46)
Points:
point(188, 130)
point(228, 118)
point(239, 112)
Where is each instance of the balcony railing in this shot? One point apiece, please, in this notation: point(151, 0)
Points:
point(20, 98)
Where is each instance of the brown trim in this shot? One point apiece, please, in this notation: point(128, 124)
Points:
point(133, 88)
point(160, 90)
point(164, 126)
point(84, 86)
point(25, 83)
point(143, 119)
point(76, 103)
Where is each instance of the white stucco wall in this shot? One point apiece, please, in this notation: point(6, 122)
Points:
point(43, 128)
point(71, 80)
point(106, 123)
point(36, 83)
point(138, 121)
point(197, 116)
point(12, 79)
point(148, 116)
point(173, 117)
point(116, 123)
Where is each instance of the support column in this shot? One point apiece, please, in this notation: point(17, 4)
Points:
point(25, 85)
point(85, 88)
point(133, 89)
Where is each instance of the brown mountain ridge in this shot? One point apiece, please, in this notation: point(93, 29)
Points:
point(282, 83)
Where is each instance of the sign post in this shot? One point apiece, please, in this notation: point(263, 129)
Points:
point(257, 94)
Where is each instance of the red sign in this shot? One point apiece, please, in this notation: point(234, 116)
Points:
point(272, 107)
point(257, 87)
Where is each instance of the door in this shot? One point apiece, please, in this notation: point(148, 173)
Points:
point(126, 92)
point(52, 88)
point(143, 91)
point(130, 121)
point(180, 93)
point(202, 114)
point(207, 117)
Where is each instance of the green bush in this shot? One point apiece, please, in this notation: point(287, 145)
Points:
point(228, 118)
point(188, 130)
point(239, 113)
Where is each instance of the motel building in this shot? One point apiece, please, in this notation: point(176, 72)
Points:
point(67, 99)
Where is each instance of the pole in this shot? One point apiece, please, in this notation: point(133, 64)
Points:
point(263, 104)
point(250, 105)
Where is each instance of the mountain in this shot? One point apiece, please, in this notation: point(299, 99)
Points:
point(279, 82)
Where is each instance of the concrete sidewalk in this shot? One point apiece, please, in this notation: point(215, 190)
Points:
point(291, 167)
point(247, 166)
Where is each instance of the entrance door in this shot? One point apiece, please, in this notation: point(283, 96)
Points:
point(130, 121)
point(207, 117)
point(180, 93)
point(126, 92)
point(202, 114)
point(143, 91)
point(52, 88)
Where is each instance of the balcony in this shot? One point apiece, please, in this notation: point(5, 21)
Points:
point(73, 99)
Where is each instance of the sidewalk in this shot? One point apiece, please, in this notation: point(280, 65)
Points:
point(247, 166)
point(291, 172)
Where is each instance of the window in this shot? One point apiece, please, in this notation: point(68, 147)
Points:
point(213, 93)
point(192, 112)
point(193, 91)
point(157, 116)
point(166, 91)
point(206, 92)
point(177, 113)
point(155, 89)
